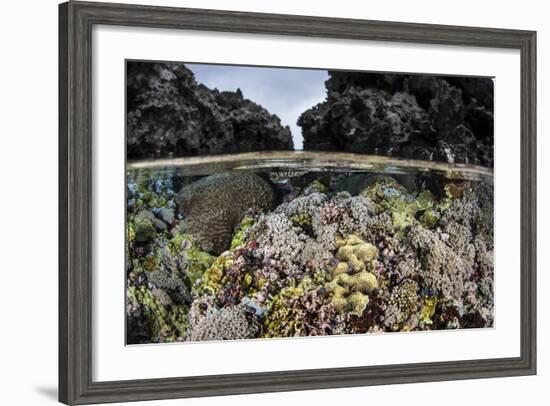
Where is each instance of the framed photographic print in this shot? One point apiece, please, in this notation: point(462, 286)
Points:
point(259, 202)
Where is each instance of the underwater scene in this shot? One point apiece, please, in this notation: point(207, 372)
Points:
point(381, 221)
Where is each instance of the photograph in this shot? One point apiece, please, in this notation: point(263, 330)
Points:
point(277, 202)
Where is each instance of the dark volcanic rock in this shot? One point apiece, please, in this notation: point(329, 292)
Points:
point(446, 119)
point(170, 114)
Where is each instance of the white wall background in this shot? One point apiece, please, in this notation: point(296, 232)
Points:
point(28, 199)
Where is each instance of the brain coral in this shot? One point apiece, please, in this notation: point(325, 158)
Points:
point(213, 206)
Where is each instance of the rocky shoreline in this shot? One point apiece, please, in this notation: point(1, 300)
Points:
point(436, 118)
point(448, 119)
point(170, 114)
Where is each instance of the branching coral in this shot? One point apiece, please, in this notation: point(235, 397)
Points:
point(402, 304)
point(460, 240)
point(296, 251)
point(227, 323)
point(302, 311)
point(398, 261)
point(361, 219)
point(331, 213)
point(474, 209)
point(443, 271)
point(309, 205)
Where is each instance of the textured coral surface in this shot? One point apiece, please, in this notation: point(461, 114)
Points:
point(241, 255)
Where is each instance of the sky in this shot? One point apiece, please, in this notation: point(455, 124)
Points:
point(282, 91)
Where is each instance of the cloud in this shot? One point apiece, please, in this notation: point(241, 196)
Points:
point(286, 92)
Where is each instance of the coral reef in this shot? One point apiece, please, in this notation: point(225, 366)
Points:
point(152, 317)
point(302, 311)
point(443, 270)
point(354, 251)
point(447, 119)
point(217, 261)
point(162, 264)
point(293, 250)
point(170, 114)
point(227, 323)
point(403, 303)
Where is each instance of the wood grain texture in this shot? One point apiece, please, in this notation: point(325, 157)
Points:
point(75, 202)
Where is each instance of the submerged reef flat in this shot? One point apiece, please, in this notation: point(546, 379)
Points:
point(243, 255)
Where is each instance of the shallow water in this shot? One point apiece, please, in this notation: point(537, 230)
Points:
point(281, 244)
point(309, 161)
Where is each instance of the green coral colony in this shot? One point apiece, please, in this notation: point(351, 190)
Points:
point(242, 255)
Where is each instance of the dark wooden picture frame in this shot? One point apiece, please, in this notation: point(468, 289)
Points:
point(76, 20)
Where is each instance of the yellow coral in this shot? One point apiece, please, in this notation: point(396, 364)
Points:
point(428, 309)
point(365, 282)
point(345, 253)
point(247, 280)
point(356, 264)
point(341, 268)
point(351, 282)
point(352, 239)
point(342, 280)
point(366, 252)
point(292, 292)
point(358, 253)
point(213, 276)
point(357, 303)
point(337, 289)
point(340, 303)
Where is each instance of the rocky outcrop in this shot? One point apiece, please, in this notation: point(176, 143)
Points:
point(170, 114)
point(446, 119)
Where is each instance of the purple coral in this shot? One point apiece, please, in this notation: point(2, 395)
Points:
point(331, 213)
